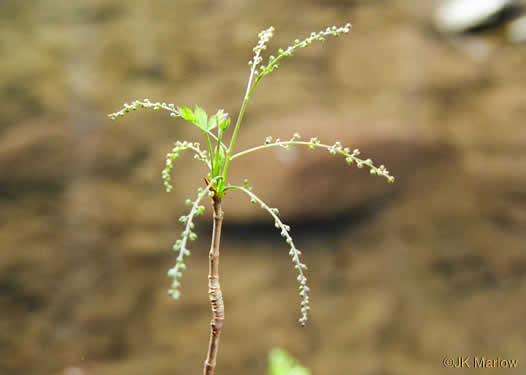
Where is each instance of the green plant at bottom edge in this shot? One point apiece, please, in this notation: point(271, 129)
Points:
point(282, 363)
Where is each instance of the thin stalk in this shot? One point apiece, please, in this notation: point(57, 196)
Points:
point(234, 135)
point(219, 162)
point(210, 150)
point(248, 92)
point(214, 290)
point(281, 144)
point(219, 138)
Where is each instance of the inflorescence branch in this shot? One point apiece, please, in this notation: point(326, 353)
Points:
point(293, 252)
point(146, 103)
point(200, 155)
point(263, 38)
point(273, 61)
point(176, 272)
point(336, 148)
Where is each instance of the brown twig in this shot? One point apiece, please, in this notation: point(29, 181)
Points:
point(214, 290)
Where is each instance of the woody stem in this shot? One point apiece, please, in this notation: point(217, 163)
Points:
point(214, 290)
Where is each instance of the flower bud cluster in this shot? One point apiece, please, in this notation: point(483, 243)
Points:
point(264, 36)
point(146, 103)
point(352, 158)
point(188, 234)
point(319, 36)
point(293, 251)
point(174, 154)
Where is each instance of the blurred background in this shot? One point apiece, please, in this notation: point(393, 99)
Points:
point(402, 275)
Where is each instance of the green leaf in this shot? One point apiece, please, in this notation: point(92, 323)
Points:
point(186, 113)
point(200, 118)
point(212, 122)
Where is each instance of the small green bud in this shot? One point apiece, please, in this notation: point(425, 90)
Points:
point(175, 294)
